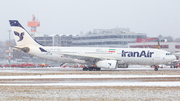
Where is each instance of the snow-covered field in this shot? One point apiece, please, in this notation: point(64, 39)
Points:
point(103, 93)
point(41, 84)
point(98, 80)
point(159, 84)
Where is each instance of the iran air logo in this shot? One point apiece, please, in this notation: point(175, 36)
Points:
point(20, 35)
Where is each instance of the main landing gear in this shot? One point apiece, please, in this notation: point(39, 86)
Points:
point(91, 69)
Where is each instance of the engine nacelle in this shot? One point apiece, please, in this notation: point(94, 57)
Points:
point(122, 64)
point(111, 64)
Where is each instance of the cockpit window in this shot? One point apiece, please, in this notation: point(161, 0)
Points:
point(168, 54)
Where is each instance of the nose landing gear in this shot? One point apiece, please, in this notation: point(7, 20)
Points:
point(156, 68)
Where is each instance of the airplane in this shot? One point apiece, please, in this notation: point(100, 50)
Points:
point(94, 57)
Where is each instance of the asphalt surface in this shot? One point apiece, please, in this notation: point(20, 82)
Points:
point(80, 69)
point(58, 75)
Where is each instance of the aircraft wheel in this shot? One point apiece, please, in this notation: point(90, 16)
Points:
point(95, 69)
point(85, 69)
point(98, 69)
point(90, 68)
point(156, 68)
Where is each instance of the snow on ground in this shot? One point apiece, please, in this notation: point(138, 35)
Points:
point(84, 76)
point(95, 83)
point(96, 90)
point(159, 84)
point(62, 93)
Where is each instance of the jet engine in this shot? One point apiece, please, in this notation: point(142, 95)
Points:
point(109, 64)
point(122, 64)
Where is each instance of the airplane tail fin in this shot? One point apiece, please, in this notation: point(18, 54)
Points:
point(22, 37)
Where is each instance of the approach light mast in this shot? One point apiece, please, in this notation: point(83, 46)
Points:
point(33, 24)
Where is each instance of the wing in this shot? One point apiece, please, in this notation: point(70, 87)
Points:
point(86, 57)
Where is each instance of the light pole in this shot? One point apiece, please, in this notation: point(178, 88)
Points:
point(9, 48)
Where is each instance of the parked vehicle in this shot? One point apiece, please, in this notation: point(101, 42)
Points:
point(13, 65)
point(23, 65)
point(164, 66)
point(18, 65)
point(43, 65)
point(65, 66)
point(30, 65)
point(6, 65)
point(175, 64)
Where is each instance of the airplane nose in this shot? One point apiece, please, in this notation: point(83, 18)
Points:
point(173, 57)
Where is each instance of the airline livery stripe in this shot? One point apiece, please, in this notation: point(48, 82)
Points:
point(112, 49)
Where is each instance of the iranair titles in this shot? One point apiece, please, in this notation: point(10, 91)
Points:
point(137, 54)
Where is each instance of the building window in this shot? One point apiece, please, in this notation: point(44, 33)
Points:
point(150, 46)
point(177, 46)
point(137, 46)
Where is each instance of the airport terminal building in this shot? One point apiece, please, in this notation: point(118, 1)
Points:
point(54, 40)
point(116, 37)
point(173, 47)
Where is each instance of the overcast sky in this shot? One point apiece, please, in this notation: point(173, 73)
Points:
point(154, 17)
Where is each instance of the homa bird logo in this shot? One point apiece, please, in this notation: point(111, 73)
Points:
point(109, 64)
point(21, 36)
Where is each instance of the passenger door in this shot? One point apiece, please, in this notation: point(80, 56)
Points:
point(157, 55)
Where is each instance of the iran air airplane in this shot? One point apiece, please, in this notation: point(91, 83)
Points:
point(94, 58)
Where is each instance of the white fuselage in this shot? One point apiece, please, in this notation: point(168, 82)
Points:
point(143, 56)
